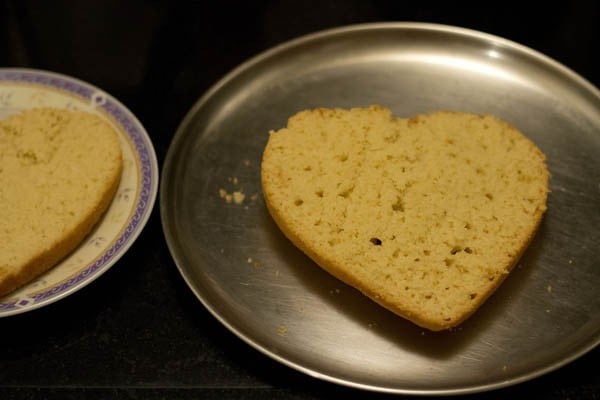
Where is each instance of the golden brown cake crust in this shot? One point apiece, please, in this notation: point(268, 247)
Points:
point(426, 216)
point(59, 171)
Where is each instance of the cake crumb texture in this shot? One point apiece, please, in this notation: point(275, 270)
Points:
point(425, 215)
point(59, 171)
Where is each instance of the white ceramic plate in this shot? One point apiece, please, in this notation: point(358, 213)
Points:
point(22, 89)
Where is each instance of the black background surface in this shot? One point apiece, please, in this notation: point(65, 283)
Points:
point(138, 332)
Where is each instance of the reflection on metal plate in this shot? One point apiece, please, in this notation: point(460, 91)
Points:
point(266, 291)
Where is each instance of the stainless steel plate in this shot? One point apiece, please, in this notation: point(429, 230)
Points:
point(267, 292)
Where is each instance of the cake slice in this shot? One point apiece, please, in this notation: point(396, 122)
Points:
point(59, 171)
point(426, 216)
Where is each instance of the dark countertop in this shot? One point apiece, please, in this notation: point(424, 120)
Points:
point(138, 331)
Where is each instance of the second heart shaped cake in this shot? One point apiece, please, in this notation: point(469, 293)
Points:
point(59, 171)
point(426, 216)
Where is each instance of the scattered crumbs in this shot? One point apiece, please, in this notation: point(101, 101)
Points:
point(549, 288)
point(234, 180)
point(570, 261)
point(548, 311)
point(254, 197)
point(337, 291)
point(228, 179)
point(276, 272)
point(222, 250)
point(372, 325)
point(249, 260)
point(246, 162)
point(256, 264)
point(238, 197)
point(504, 368)
point(422, 333)
point(281, 330)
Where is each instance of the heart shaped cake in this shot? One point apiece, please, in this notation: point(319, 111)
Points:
point(426, 216)
point(59, 171)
